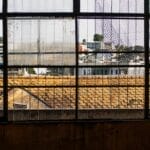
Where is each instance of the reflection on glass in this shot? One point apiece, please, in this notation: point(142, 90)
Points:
point(116, 6)
point(41, 42)
point(40, 6)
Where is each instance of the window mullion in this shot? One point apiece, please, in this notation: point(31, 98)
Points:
point(5, 60)
point(146, 43)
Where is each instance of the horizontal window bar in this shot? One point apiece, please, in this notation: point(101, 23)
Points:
point(80, 86)
point(24, 53)
point(114, 52)
point(80, 15)
point(72, 66)
point(94, 52)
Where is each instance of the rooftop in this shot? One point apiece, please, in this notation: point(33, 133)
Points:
point(110, 92)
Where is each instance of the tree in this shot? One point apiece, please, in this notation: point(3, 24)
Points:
point(119, 48)
point(98, 37)
point(30, 71)
point(84, 41)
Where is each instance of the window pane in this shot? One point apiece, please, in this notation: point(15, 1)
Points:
point(40, 5)
point(0, 5)
point(1, 44)
point(41, 76)
point(111, 68)
point(115, 6)
point(111, 76)
point(41, 93)
point(1, 99)
point(1, 70)
point(111, 102)
point(120, 35)
point(41, 42)
point(41, 103)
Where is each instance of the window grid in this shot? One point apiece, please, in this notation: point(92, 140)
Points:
point(76, 14)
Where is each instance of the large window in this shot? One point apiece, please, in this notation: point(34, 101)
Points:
point(74, 59)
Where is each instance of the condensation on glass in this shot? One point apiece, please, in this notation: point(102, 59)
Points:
point(40, 5)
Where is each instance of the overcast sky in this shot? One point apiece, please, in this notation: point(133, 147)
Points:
point(86, 27)
point(86, 5)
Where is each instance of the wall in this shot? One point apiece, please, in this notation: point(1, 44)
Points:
point(133, 135)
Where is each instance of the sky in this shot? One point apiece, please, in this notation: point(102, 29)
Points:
point(86, 27)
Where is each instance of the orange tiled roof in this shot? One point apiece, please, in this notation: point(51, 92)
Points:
point(125, 97)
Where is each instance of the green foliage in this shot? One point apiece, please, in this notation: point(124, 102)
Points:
point(98, 37)
point(84, 41)
point(30, 71)
point(139, 48)
point(119, 48)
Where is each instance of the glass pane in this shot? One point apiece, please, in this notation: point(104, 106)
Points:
point(41, 76)
point(1, 69)
point(41, 103)
point(115, 6)
point(116, 35)
point(40, 5)
point(1, 44)
point(111, 71)
point(41, 42)
point(1, 100)
point(111, 102)
point(105, 58)
point(41, 93)
point(0, 5)
point(111, 76)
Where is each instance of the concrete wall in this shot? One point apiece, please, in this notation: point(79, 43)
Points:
point(133, 135)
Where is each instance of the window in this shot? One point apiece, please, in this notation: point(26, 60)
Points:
point(74, 59)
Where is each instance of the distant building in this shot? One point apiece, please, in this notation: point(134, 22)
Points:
point(96, 45)
point(109, 46)
point(99, 71)
point(96, 60)
point(138, 71)
point(82, 48)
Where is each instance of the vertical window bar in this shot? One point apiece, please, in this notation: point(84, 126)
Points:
point(76, 11)
point(5, 60)
point(76, 6)
point(146, 42)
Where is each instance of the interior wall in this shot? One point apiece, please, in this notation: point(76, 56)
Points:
point(133, 135)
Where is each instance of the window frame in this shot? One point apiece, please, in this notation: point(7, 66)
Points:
point(75, 14)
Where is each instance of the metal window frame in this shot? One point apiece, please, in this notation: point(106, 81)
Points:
point(75, 14)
